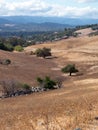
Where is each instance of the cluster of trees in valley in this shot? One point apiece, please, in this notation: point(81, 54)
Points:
point(23, 40)
point(10, 44)
point(9, 40)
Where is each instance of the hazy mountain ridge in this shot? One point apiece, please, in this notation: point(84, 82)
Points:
point(30, 24)
point(32, 27)
point(40, 19)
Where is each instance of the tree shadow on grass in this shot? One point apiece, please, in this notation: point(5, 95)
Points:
point(51, 57)
point(77, 74)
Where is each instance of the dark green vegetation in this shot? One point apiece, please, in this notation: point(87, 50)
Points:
point(44, 52)
point(70, 68)
point(6, 47)
point(46, 82)
point(9, 44)
point(26, 87)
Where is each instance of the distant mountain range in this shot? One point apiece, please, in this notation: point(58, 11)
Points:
point(37, 24)
point(31, 27)
point(40, 19)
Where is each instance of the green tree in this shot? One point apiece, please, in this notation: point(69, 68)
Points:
point(70, 68)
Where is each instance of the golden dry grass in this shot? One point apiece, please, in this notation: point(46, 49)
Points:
point(85, 32)
point(74, 105)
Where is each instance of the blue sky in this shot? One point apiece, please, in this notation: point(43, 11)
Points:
point(59, 8)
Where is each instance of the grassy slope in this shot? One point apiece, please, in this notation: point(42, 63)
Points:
point(72, 106)
point(25, 68)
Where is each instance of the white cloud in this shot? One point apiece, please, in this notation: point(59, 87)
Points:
point(86, 12)
point(40, 7)
point(86, 1)
point(22, 7)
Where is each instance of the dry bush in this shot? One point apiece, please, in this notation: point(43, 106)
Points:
point(9, 86)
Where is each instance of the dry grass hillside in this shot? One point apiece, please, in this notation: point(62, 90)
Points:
point(85, 32)
point(25, 68)
point(75, 105)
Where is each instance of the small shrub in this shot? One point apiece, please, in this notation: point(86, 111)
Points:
point(13, 88)
point(39, 80)
point(49, 84)
point(9, 87)
point(46, 83)
point(43, 52)
point(6, 62)
point(26, 87)
point(39, 53)
point(18, 48)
